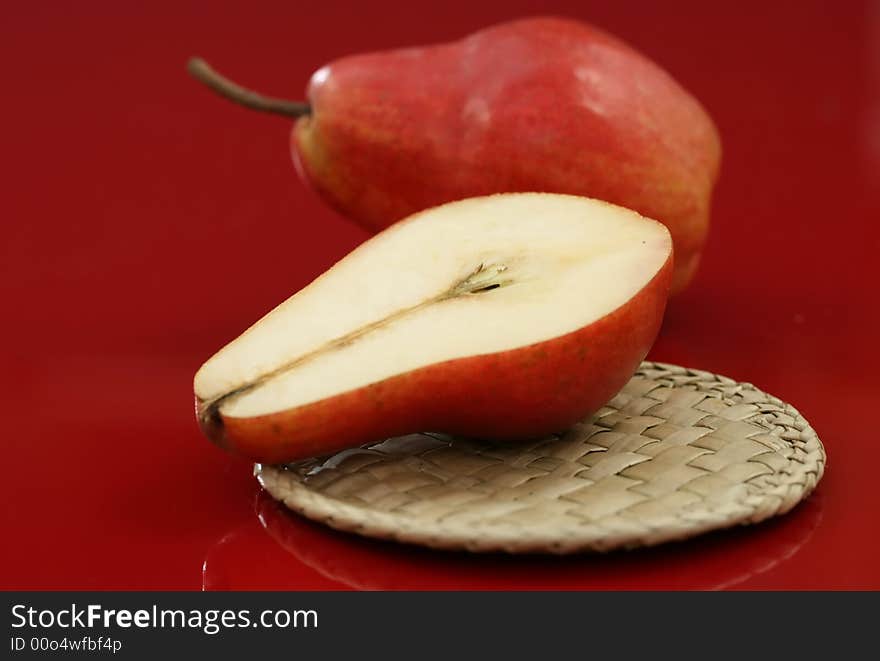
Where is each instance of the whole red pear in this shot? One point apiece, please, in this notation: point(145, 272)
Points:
point(537, 104)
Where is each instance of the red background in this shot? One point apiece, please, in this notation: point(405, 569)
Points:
point(146, 223)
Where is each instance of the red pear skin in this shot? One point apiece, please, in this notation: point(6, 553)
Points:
point(511, 395)
point(541, 104)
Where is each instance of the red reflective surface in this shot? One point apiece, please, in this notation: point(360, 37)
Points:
point(146, 223)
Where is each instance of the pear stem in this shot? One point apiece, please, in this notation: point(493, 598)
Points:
point(204, 73)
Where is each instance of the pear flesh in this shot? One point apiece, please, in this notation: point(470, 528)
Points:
point(484, 277)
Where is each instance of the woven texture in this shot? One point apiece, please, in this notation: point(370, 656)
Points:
point(676, 453)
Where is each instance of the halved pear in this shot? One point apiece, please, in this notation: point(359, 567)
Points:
point(504, 317)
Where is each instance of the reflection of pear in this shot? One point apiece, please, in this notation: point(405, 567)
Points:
point(718, 560)
point(245, 558)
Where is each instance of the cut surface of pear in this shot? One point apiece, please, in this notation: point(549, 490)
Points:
point(481, 277)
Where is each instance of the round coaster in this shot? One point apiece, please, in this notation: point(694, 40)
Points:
point(676, 453)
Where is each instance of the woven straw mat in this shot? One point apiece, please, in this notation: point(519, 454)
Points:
point(676, 453)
